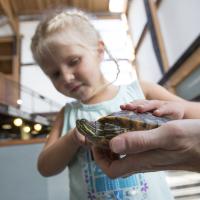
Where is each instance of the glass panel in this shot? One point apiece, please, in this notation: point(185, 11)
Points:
point(127, 73)
point(189, 87)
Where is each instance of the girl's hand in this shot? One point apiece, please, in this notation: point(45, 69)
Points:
point(170, 109)
point(80, 139)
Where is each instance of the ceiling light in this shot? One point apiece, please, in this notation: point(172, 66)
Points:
point(26, 129)
point(19, 101)
point(34, 132)
point(6, 126)
point(117, 6)
point(38, 127)
point(18, 122)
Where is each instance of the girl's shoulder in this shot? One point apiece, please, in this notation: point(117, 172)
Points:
point(69, 116)
point(134, 85)
point(135, 89)
point(71, 105)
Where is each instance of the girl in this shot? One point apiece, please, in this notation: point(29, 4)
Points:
point(69, 50)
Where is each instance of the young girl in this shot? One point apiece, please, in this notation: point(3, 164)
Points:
point(69, 50)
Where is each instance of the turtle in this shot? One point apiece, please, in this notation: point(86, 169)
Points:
point(105, 128)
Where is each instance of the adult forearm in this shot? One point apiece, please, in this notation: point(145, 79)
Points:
point(56, 157)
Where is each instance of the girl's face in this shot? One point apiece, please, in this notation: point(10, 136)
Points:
point(74, 70)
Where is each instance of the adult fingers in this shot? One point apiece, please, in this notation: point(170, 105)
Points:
point(136, 141)
point(169, 136)
point(143, 162)
point(101, 157)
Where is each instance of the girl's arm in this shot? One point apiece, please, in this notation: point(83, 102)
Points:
point(155, 91)
point(58, 151)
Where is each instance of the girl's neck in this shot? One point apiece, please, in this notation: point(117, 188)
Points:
point(104, 94)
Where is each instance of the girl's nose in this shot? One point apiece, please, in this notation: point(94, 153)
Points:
point(67, 75)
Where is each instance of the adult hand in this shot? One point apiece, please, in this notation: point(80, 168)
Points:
point(173, 146)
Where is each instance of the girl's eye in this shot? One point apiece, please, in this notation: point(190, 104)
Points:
point(55, 75)
point(74, 62)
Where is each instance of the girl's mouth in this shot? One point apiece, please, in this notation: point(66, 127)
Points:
point(75, 88)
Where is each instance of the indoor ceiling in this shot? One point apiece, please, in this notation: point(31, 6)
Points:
point(13, 11)
point(31, 7)
point(8, 130)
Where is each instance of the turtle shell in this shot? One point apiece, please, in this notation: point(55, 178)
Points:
point(105, 128)
point(133, 121)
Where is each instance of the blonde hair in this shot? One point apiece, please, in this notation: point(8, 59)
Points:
point(73, 27)
point(67, 27)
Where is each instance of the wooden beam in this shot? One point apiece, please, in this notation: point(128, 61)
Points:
point(186, 69)
point(144, 31)
point(39, 4)
point(158, 2)
point(153, 9)
point(189, 52)
point(142, 36)
point(191, 64)
point(13, 20)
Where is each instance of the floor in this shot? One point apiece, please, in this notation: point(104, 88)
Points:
point(184, 185)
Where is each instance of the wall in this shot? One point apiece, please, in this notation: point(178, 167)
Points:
point(6, 31)
point(179, 21)
point(137, 19)
point(32, 76)
point(148, 68)
point(20, 179)
point(179, 28)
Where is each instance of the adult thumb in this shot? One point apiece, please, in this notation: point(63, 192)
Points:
point(135, 142)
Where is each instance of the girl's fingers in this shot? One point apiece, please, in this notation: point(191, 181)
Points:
point(142, 105)
point(150, 106)
point(159, 108)
point(82, 140)
point(133, 105)
point(169, 111)
point(87, 143)
point(163, 111)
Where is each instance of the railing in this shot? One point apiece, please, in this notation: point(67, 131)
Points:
point(25, 99)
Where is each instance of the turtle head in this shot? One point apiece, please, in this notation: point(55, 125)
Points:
point(86, 127)
point(96, 132)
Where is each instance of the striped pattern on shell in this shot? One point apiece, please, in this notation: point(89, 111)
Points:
point(105, 128)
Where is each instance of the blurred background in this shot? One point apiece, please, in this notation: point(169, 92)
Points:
point(154, 40)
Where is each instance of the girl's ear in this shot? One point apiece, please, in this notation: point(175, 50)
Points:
point(101, 49)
